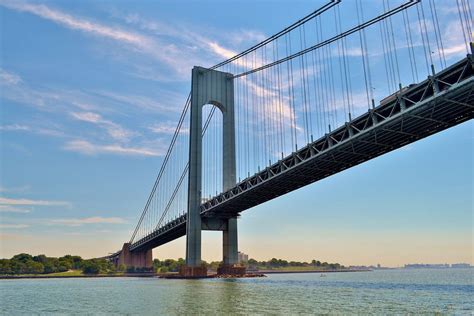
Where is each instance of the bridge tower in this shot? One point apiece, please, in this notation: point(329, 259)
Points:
point(216, 88)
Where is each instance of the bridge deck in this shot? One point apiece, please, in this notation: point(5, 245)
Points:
point(437, 103)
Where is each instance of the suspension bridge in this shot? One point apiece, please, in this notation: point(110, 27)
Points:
point(337, 88)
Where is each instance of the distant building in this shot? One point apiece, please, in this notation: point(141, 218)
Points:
point(460, 265)
point(242, 257)
point(430, 266)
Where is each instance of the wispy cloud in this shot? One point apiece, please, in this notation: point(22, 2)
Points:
point(14, 127)
point(455, 45)
point(113, 129)
point(88, 220)
point(163, 128)
point(9, 201)
point(189, 44)
point(83, 109)
point(8, 78)
point(76, 23)
point(15, 189)
point(12, 209)
point(165, 52)
point(87, 148)
point(168, 102)
point(13, 226)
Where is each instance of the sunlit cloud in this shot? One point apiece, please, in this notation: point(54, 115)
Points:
point(14, 189)
point(87, 148)
point(76, 23)
point(13, 226)
point(168, 102)
point(7, 78)
point(113, 129)
point(163, 128)
point(9, 201)
point(12, 209)
point(14, 127)
point(88, 220)
point(169, 54)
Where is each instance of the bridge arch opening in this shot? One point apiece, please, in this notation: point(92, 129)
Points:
point(212, 150)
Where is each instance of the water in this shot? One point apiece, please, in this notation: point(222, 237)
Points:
point(446, 291)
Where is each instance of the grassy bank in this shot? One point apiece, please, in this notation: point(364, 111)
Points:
point(74, 274)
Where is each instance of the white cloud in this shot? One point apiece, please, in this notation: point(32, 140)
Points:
point(113, 129)
point(88, 117)
point(15, 189)
point(77, 23)
point(169, 54)
point(454, 44)
point(87, 148)
point(163, 128)
point(189, 43)
point(61, 102)
point(454, 50)
point(7, 78)
point(14, 127)
point(88, 220)
point(13, 226)
point(12, 209)
point(169, 102)
point(8, 201)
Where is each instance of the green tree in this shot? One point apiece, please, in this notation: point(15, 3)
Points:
point(76, 262)
point(164, 269)
point(91, 267)
point(40, 258)
point(33, 267)
point(5, 266)
point(252, 261)
point(22, 257)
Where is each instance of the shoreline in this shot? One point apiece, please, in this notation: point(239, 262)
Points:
point(312, 271)
point(39, 276)
point(162, 275)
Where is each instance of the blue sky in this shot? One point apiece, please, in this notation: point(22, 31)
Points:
point(91, 93)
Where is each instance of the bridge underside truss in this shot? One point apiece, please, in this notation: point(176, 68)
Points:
point(439, 102)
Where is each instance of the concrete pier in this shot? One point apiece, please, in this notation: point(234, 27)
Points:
point(142, 259)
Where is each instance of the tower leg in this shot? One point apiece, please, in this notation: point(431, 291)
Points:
point(230, 243)
point(230, 251)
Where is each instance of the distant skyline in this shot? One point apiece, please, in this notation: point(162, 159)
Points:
point(90, 93)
